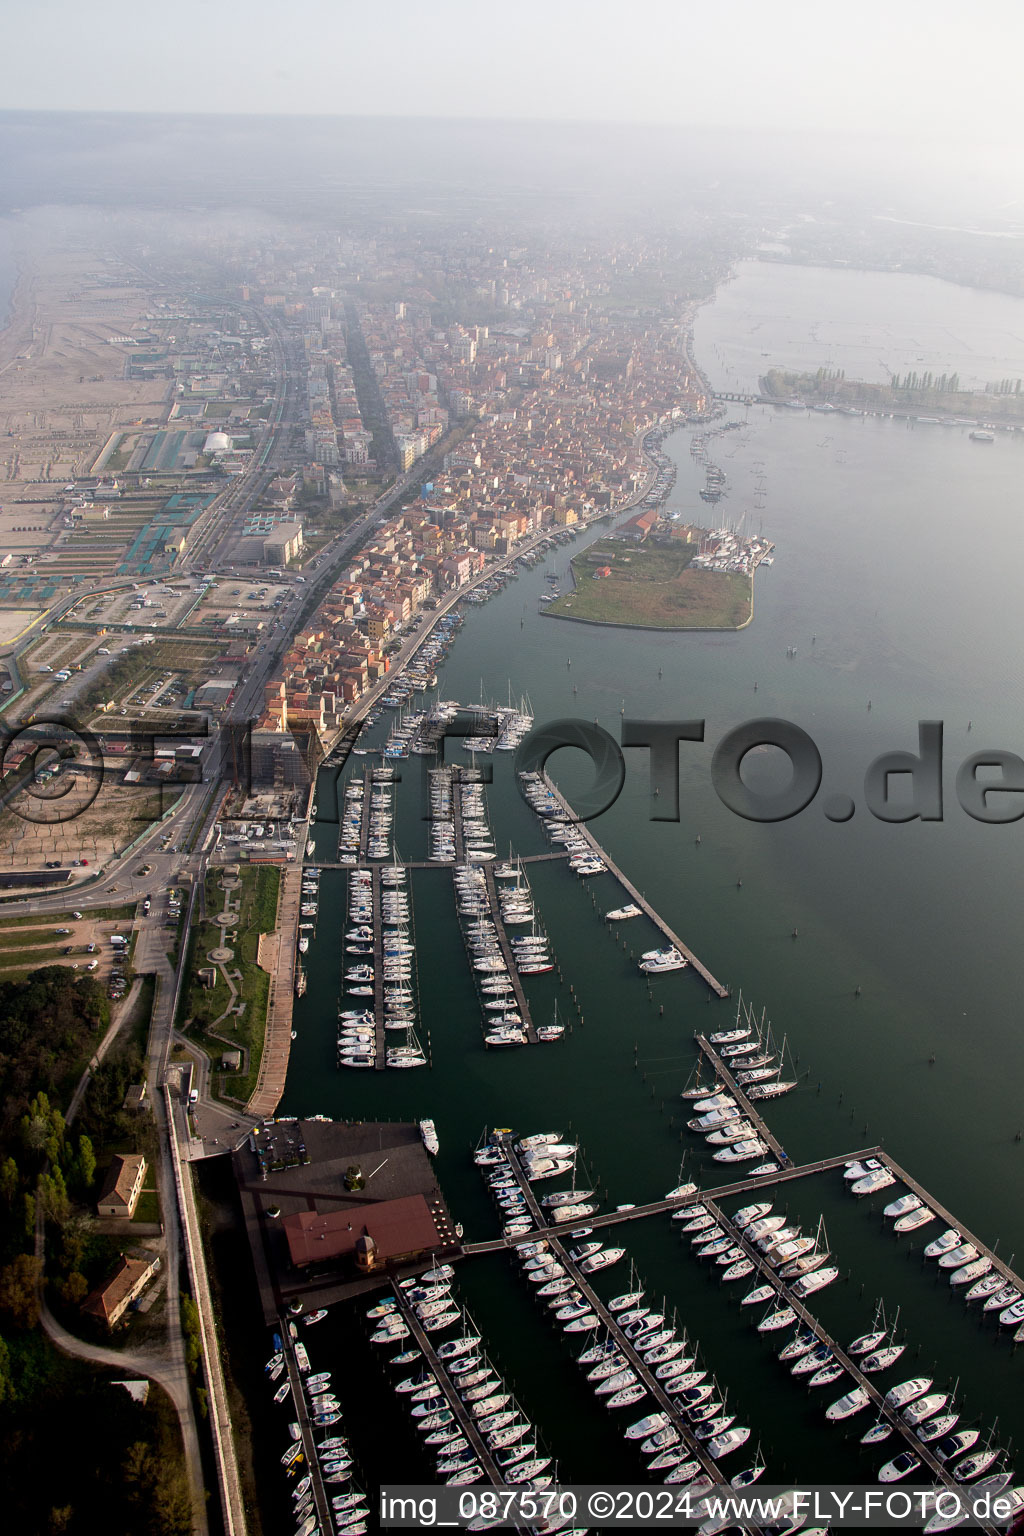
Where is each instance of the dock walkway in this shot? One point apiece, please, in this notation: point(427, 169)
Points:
point(645, 1373)
point(306, 1427)
point(467, 1423)
point(665, 1207)
point(744, 1103)
point(659, 922)
point(514, 977)
point(460, 838)
point(379, 1037)
point(785, 1294)
point(998, 1264)
point(364, 823)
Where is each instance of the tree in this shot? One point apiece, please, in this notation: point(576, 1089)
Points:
point(86, 1162)
point(190, 1330)
point(75, 1288)
point(7, 1389)
point(54, 1195)
point(18, 1281)
point(9, 1180)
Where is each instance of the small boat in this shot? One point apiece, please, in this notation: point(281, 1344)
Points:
point(901, 1466)
point(899, 1396)
point(951, 1238)
point(806, 1285)
point(758, 1294)
point(740, 1270)
point(802, 1342)
point(877, 1433)
point(871, 1183)
point(972, 1466)
point(827, 1375)
point(781, 1318)
point(881, 1359)
point(924, 1408)
point(845, 1407)
point(902, 1206)
point(920, 1217)
point(428, 1133)
point(936, 1429)
point(619, 914)
point(968, 1273)
point(953, 1258)
point(723, 1445)
point(954, 1445)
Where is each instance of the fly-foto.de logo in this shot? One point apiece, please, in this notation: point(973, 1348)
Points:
point(899, 785)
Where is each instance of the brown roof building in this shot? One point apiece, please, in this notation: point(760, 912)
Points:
point(399, 1231)
point(110, 1300)
point(123, 1185)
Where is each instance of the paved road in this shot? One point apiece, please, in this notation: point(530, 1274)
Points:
point(167, 1370)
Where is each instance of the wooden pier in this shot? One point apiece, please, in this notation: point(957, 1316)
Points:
point(659, 922)
point(526, 858)
point(666, 1207)
point(506, 949)
point(460, 838)
point(656, 1389)
point(364, 824)
point(722, 1071)
point(876, 1396)
point(306, 1426)
point(379, 1036)
point(467, 1424)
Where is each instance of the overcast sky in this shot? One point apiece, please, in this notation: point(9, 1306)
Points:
point(903, 66)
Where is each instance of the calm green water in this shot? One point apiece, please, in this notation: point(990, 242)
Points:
point(896, 579)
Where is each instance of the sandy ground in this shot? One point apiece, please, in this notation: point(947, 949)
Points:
point(118, 815)
point(63, 391)
point(14, 620)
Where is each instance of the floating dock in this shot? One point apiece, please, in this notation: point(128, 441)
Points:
point(514, 977)
point(467, 1423)
point(659, 922)
point(784, 1294)
point(306, 1427)
point(761, 1127)
point(379, 1037)
point(656, 1389)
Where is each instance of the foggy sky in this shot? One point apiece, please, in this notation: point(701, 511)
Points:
point(904, 68)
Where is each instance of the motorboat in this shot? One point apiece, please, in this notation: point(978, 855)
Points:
point(973, 1465)
point(906, 1392)
point(949, 1239)
point(858, 1168)
point(845, 1407)
point(924, 1408)
point(806, 1285)
point(901, 1466)
point(914, 1219)
point(955, 1445)
point(871, 1183)
point(953, 1258)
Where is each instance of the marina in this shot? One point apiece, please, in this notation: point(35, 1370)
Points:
point(804, 1123)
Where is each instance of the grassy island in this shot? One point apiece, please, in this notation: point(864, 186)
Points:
point(653, 588)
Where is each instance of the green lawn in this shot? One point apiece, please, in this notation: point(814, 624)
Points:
point(148, 1208)
point(205, 1004)
point(653, 588)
